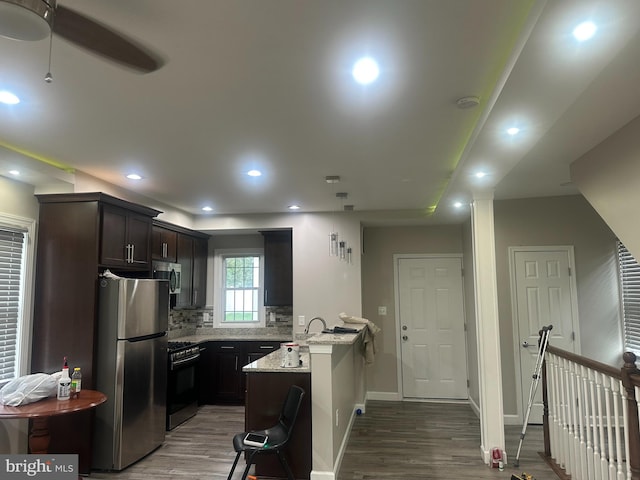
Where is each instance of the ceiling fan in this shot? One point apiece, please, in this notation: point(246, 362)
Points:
point(36, 19)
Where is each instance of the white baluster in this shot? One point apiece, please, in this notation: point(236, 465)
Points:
point(570, 464)
point(611, 468)
point(595, 421)
point(575, 415)
point(618, 433)
point(625, 428)
point(604, 472)
point(586, 448)
point(554, 408)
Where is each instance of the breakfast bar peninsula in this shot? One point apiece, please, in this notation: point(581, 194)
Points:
point(332, 375)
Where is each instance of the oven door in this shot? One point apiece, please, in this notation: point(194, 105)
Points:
point(182, 391)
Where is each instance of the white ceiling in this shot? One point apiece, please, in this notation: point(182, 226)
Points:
point(267, 84)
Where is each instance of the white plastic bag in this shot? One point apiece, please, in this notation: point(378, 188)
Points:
point(28, 389)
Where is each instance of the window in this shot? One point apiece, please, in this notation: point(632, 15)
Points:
point(240, 300)
point(15, 267)
point(629, 272)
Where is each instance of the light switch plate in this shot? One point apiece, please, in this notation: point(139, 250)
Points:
point(301, 320)
point(382, 310)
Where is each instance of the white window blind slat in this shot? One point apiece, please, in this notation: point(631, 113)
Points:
point(12, 247)
point(629, 271)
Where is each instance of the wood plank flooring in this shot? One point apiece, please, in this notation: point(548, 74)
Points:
point(392, 441)
point(408, 440)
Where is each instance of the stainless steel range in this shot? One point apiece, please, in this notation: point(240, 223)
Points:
point(182, 382)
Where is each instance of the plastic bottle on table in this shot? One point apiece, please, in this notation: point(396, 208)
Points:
point(64, 384)
point(76, 382)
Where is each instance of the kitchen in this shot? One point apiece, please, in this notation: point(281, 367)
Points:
point(323, 287)
point(63, 220)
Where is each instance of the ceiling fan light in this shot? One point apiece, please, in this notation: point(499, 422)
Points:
point(26, 19)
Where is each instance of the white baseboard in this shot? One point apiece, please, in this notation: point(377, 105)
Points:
point(318, 475)
point(384, 396)
point(474, 406)
point(512, 419)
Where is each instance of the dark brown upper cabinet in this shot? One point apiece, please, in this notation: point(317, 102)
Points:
point(126, 238)
point(164, 244)
point(278, 268)
point(191, 249)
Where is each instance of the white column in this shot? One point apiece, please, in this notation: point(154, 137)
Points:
point(487, 325)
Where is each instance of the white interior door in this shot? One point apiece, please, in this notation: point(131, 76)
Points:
point(431, 320)
point(544, 294)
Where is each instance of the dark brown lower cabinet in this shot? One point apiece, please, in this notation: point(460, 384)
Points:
point(266, 392)
point(221, 378)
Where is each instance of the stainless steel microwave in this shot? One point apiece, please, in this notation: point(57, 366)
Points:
point(169, 271)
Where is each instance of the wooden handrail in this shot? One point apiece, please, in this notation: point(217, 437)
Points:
point(586, 362)
point(628, 374)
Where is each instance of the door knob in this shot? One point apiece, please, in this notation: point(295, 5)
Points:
point(404, 327)
point(525, 344)
point(405, 338)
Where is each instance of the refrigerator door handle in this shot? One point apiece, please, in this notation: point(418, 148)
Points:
point(146, 337)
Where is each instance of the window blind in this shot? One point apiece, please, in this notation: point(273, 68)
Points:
point(11, 264)
point(629, 272)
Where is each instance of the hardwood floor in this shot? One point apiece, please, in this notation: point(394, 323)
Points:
point(408, 440)
point(392, 441)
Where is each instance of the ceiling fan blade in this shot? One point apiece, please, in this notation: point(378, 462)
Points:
point(99, 39)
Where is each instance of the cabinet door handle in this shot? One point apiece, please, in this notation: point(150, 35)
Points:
point(267, 347)
point(236, 362)
point(128, 254)
point(133, 249)
point(164, 250)
point(228, 348)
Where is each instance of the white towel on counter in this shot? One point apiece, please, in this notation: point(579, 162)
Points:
point(369, 345)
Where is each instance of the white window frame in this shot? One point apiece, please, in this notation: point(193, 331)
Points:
point(629, 280)
point(219, 290)
point(23, 345)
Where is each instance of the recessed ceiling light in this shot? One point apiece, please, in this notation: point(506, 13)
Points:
point(134, 176)
point(14, 172)
point(584, 31)
point(481, 174)
point(365, 71)
point(8, 98)
point(207, 209)
point(294, 207)
point(457, 204)
point(513, 130)
point(254, 173)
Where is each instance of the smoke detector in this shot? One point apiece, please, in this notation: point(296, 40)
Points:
point(467, 102)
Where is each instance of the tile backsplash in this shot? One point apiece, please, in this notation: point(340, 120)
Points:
point(188, 322)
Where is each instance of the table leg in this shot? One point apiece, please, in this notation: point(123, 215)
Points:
point(39, 436)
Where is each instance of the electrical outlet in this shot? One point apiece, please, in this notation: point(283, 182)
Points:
point(272, 317)
point(337, 416)
point(301, 320)
point(382, 310)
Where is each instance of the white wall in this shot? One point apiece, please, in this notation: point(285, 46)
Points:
point(322, 285)
point(609, 176)
point(567, 220)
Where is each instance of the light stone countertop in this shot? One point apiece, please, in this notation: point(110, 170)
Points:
point(273, 363)
point(232, 336)
point(337, 339)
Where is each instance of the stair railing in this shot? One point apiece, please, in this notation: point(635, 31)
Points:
point(590, 417)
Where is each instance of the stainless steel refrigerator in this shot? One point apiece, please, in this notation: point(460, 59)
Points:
point(131, 370)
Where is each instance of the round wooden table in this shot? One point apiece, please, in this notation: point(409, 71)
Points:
point(41, 410)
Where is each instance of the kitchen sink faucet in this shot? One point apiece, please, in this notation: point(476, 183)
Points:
point(324, 324)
